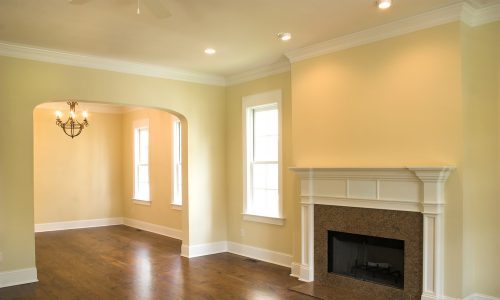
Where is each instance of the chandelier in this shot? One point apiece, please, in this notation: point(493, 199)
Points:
point(72, 127)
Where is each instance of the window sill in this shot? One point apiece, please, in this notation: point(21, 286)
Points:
point(176, 206)
point(264, 219)
point(142, 202)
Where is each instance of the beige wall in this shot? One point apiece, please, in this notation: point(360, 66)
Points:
point(481, 225)
point(395, 102)
point(80, 178)
point(273, 237)
point(159, 211)
point(24, 84)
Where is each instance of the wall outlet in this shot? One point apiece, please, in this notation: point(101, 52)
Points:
point(242, 232)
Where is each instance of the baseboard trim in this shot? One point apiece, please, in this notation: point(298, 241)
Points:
point(42, 227)
point(191, 251)
point(295, 270)
point(477, 296)
point(154, 228)
point(17, 277)
point(277, 258)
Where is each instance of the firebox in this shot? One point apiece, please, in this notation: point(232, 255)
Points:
point(369, 258)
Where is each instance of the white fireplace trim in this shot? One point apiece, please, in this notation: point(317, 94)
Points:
point(418, 189)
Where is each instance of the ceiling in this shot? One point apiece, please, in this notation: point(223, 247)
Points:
point(242, 31)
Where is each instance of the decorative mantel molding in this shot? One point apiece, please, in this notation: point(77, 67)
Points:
point(419, 189)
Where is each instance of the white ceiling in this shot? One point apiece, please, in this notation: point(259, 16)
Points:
point(242, 31)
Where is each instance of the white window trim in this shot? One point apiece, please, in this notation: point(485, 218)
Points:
point(176, 205)
point(143, 123)
point(262, 99)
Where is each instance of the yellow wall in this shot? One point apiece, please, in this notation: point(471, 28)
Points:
point(80, 178)
point(159, 211)
point(25, 84)
point(481, 225)
point(272, 237)
point(395, 102)
point(423, 98)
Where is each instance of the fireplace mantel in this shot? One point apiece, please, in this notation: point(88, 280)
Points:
point(418, 189)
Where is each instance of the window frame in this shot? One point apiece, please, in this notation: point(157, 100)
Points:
point(249, 103)
point(177, 163)
point(138, 125)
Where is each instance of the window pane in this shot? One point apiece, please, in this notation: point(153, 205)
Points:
point(177, 164)
point(142, 192)
point(265, 135)
point(143, 174)
point(143, 145)
point(265, 176)
point(266, 148)
point(265, 195)
point(266, 122)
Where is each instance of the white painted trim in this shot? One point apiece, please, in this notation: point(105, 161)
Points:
point(17, 277)
point(176, 206)
point(295, 270)
point(481, 15)
point(150, 227)
point(258, 73)
point(264, 219)
point(461, 11)
point(109, 64)
point(42, 227)
point(477, 296)
point(142, 202)
point(277, 258)
point(191, 251)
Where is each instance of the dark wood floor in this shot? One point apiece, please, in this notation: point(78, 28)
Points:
point(120, 262)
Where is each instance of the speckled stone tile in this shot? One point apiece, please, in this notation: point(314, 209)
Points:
point(401, 225)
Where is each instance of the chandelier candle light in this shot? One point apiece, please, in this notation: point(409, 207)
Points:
point(72, 127)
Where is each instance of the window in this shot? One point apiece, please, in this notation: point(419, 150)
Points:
point(141, 160)
point(262, 116)
point(177, 164)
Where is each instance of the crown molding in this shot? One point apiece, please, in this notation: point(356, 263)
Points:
point(480, 15)
point(101, 63)
point(258, 73)
point(426, 20)
point(470, 12)
point(462, 11)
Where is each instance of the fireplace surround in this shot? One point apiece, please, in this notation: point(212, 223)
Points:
point(416, 190)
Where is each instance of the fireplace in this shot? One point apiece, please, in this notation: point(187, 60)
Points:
point(368, 258)
point(404, 205)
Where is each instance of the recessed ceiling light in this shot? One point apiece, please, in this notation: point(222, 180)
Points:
point(210, 51)
point(384, 4)
point(285, 36)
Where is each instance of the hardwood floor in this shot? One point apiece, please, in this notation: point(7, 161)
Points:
point(120, 262)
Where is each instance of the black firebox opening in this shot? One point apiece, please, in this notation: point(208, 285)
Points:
point(368, 258)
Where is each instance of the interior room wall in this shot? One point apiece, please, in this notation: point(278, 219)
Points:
point(80, 178)
point(159, 210)
point(271, 237)
point(24, 84)
point(395, 102)
point(481, 225)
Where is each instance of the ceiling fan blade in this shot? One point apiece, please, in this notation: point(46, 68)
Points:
point(78, 1)
point(158, 8)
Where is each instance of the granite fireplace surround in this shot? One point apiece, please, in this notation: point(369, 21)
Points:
point(400, 225)
point(405, 203)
